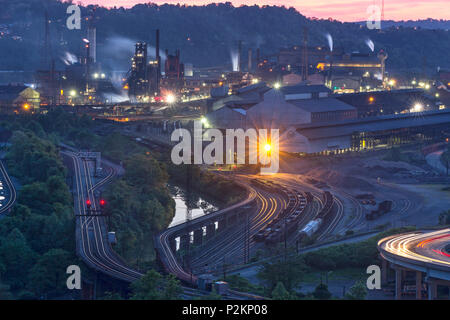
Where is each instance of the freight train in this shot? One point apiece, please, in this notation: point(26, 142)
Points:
point(286, 223)
point(313, 226)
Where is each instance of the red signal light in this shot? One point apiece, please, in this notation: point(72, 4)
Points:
point(102, 202)
point(88, 203)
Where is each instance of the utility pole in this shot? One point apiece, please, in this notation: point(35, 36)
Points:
point(247, 239)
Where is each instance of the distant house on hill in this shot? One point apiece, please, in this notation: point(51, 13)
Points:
point(18, 98)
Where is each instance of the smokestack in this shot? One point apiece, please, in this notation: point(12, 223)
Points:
point(250, 57)
point(158, 61)
point(92, 37)
point(88, 58)
point(239, 55)
point(47, 50)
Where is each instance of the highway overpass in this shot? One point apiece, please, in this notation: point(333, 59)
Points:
point(424, 253)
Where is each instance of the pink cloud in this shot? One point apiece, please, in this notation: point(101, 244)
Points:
point(344, 10)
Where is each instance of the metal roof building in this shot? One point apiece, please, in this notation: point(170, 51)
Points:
point(365, 133)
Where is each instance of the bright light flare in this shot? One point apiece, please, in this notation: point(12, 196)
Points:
point(170, 98)
point(418, 107)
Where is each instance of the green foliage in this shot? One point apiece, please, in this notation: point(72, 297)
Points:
point(117, 147)
point(17, 258)
point(357, 292)
point(153, 286)
point(212, 296)
point(208, 184)
point(140, 205)
point(361, 254)
point(48, 275)
point(37, 238)
point(280, 292)
point(32, 159)
point(289, 272)
point(238, 283)
point(321, 292)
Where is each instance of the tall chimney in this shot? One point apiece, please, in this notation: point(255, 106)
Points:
point(158, 61)
point(92, 37)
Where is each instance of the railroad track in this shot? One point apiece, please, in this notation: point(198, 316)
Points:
point(12, 190)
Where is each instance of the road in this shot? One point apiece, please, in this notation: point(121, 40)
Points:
point(423, 251)
point(7, 190)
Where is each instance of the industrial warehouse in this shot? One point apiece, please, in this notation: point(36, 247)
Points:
point(314, 121)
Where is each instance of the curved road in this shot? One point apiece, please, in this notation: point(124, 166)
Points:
point(422, 251)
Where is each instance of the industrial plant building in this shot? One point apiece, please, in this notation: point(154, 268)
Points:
point(312, 120)
point(281, 108)
point(365, 134)
point(15, 98)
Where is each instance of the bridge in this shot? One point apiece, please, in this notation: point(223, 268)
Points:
point(427, 254)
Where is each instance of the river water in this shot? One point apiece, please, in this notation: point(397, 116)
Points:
point(200, 206)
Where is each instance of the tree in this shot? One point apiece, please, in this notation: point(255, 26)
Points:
point(357, 292)
point(321, 292)
point(145, 171)
point(49, 273)
point(280, 292)
point(148, 287)
point(172, 289)
point(289, 273)
point(212, 296)
point(17, 257)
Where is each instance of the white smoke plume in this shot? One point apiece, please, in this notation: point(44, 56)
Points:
point(370, 44)
point(330, 41)
point(69, 58)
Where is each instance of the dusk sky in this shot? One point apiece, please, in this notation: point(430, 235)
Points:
point(344, 10)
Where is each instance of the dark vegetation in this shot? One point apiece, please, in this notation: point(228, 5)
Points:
point(37, 239)
point(140, 206)
point(206, 34)
point(281, 277)
point(221, 190)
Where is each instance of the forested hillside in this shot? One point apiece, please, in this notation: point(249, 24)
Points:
point(205, 34)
